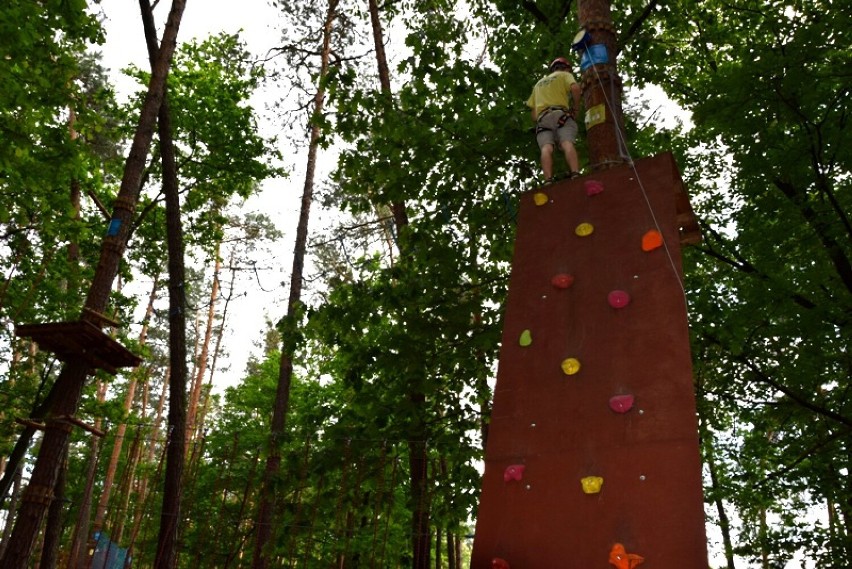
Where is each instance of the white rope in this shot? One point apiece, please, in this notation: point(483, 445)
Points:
point(622, 142)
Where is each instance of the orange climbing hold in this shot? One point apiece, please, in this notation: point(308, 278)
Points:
point(652, 239)
point(619, 557)
point(562, 280)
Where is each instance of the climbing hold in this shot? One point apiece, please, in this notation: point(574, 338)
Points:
point(591, 484)
point(593, 187)
point(618, 299)
point(526, 338)
point(513, 472)
point(540, 198)
point(652, 239)
point(562, 280)
point(570, 366)
point(621, 403)
point(584, 229)
point(498, 563)
point(619, 557)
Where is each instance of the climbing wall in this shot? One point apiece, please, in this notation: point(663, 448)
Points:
point(592, 458)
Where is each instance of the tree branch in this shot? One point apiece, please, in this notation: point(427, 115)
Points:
point(637, 23)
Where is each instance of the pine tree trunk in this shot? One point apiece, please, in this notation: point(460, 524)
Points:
point(170, 515)
point(121, 430)
point(12, 509)
point(205, 408)
point(153, 444)
point(417, 434)
point(201, 365)
point(53, 525)
point(264, 529)
point(78, 553)
point(126, 488)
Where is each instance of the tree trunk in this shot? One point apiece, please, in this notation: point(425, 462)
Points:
point(119, 519)
point(72, 378)
point(53, 525)
point(170, 515)
point(12, 509)
point(724, 522)
point(201, 366)
point(109, 478)
point(205, 408)
point(417, 434)
point(285, 370)
point(78, 553)
point(418, 464)
point(143, 494)
point(39, 411)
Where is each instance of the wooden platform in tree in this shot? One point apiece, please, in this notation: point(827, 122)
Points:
point(80, 339)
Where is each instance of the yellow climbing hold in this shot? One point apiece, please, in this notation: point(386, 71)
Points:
point(526, 338)
point(591, 484)
point(584, 229)
point(540, 198)
point(571, 366)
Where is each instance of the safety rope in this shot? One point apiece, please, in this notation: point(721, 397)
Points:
point(623, 146)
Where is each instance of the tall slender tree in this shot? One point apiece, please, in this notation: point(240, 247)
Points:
point(291, 320)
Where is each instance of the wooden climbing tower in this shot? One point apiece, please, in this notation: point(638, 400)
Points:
point(593, 443)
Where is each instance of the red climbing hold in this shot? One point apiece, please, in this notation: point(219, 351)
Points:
point(593, 187)
point(621, 403)
point(652, 239)
point(618, 299)
point(513, 472)
point(562, 280)
point(619, 557)
point(498, 563)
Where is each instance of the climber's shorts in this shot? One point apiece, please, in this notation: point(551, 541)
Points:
point(554, 127)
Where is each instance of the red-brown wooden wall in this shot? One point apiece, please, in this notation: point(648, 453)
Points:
point(560, 427)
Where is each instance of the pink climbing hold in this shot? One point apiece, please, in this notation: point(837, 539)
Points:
point(593, 187)
point(498, 563)
point(562, 280)
point(618, 299)
point(513, 472)
point(621, 403)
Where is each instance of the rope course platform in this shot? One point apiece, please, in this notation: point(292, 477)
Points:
point(80, 339)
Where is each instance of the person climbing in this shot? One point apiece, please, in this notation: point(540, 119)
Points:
point(554, 103)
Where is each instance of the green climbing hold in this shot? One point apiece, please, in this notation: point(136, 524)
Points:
point(526, 338)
